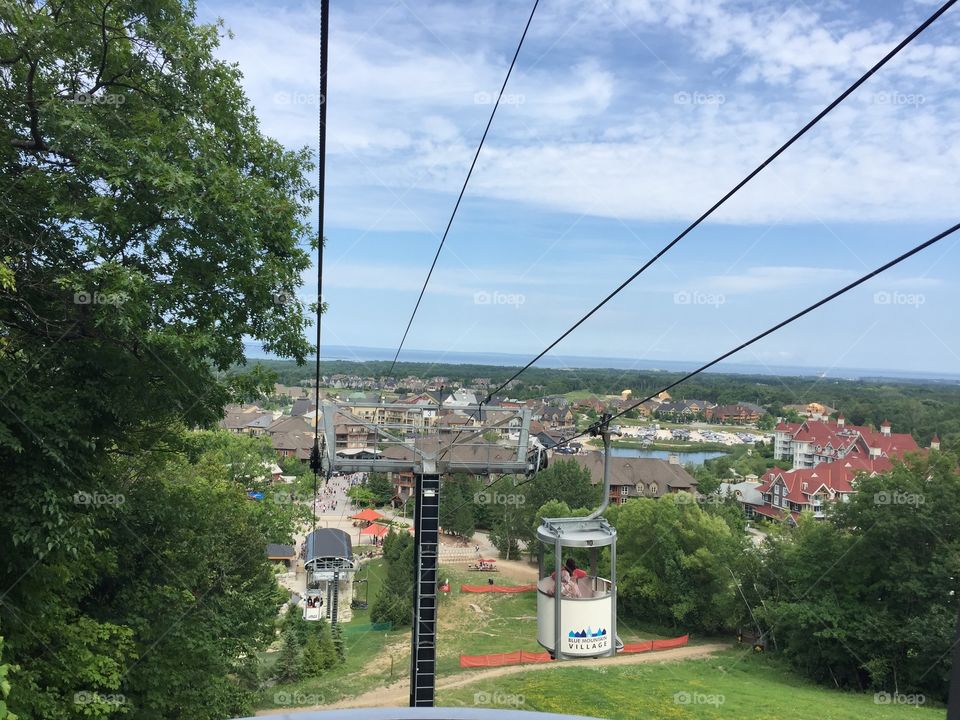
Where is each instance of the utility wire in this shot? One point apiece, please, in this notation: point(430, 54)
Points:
point(464, 188)
point(823, 113)
point(823, 301)
point(321, 186)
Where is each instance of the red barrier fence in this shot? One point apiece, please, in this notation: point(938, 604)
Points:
point(650, 645)
point(521, 657)
point(498, 588)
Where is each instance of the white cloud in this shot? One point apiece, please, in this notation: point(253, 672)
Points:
point(580, 134)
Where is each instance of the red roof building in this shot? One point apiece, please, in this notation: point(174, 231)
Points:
point(810, 443)
point(787, 493)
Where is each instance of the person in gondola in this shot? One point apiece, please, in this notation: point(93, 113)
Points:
point(568, 587)
point(575, 572)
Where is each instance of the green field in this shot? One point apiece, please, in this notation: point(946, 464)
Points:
point(733, 684)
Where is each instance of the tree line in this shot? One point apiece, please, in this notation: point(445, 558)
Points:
point(865, 599)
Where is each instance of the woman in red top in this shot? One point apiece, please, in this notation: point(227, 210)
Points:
point(575, 572)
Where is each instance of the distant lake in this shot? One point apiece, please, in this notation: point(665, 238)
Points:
point(686, 458)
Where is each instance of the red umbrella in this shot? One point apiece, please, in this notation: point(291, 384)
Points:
point(369, 515)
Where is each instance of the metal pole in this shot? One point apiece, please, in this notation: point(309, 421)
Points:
point(557, 588)
point(613, 598)
point(603, 429)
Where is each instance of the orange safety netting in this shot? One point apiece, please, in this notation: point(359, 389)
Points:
point(650, 645)
point(498, 588)
point(521, 657)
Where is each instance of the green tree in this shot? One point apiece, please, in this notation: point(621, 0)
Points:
point(458, 509)
point(312, 662)
point(563, 480)
point(509, 528)
point(150, 228)
point(869, 596)
point(5, 669)
point(294, 622)
point(675, 561)
point(361, 495)
point(381, 488)
point(328, 650)
point(289, 666)
point(394, 602)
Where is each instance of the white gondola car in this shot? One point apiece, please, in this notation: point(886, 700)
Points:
point(584, 613)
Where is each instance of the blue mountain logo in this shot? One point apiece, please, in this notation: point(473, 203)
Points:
point(588, 633)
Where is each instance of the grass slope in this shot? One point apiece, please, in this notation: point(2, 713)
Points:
point(735, 685)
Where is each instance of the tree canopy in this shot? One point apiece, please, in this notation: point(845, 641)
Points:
point(148, 227)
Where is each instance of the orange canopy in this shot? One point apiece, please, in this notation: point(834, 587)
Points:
point(375, 530)
point(369, 515)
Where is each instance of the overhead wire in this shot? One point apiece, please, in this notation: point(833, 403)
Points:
point(463, 189)
point(315, 463)
point(736, 188)
point(783, 323)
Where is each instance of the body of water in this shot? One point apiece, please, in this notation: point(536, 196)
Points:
point(255, 351)
point(686, 458)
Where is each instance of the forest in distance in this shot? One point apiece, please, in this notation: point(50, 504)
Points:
point(922, 408)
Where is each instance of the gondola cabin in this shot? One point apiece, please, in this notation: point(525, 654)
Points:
point(583, 614)
point(329, 565)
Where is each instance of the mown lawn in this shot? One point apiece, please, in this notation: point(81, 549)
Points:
point(734, 685)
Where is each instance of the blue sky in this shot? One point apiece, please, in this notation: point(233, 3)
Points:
point(624, 120)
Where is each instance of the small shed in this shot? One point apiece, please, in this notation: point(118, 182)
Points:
point(277, 552)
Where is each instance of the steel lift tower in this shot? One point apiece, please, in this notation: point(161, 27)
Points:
point(419, 439)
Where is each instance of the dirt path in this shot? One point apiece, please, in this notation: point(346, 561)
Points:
point(397, 695)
